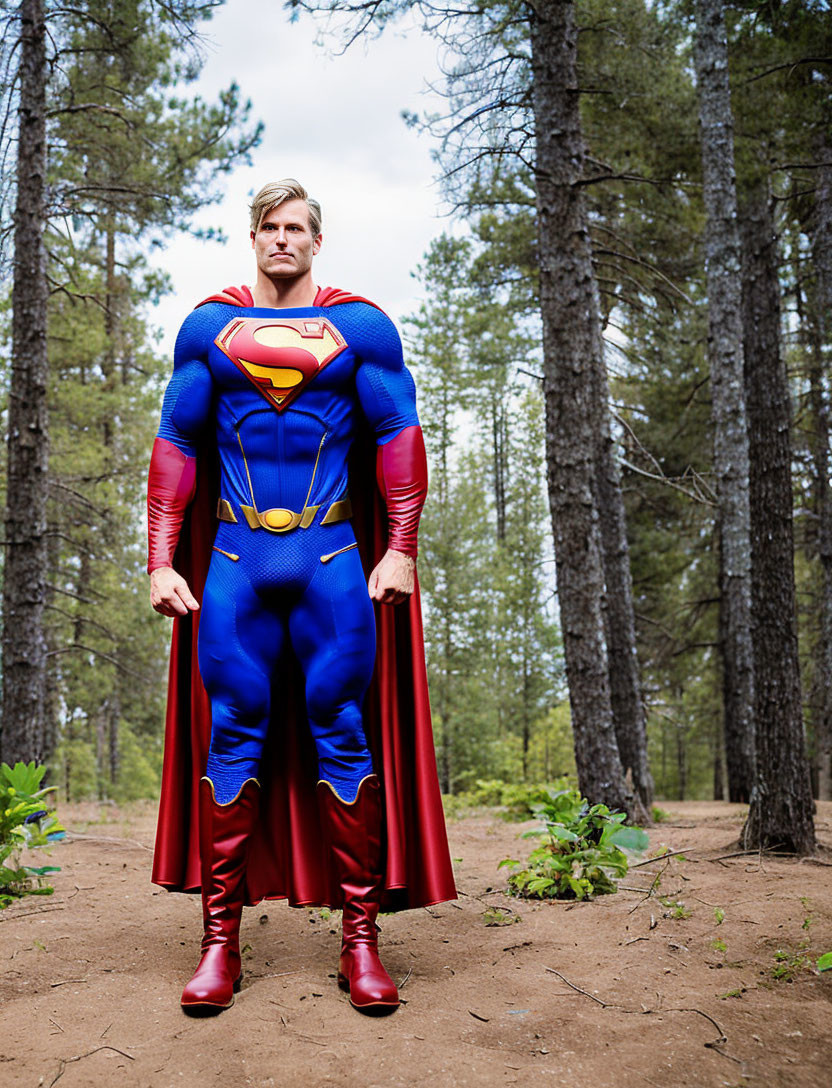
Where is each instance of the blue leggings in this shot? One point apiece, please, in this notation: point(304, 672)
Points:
point(286, 589)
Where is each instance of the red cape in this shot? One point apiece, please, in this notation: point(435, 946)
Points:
point(288, 858)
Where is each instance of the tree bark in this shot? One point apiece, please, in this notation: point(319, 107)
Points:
point(25, 736)
point(725, 353)
point(821, 236)
point(619, 617)
point(780, 812)
point(572, 353)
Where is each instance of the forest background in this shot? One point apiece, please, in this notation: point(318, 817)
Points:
point(132, 158)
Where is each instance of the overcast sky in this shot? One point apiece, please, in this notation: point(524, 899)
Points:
point(333, 122)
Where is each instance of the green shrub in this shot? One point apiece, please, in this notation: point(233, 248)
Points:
point(24, 824)
point(137, 776)
point(520, 801)
point(583, 852)
point(75, 769)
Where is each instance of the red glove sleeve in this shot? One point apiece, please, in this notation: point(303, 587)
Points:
point(402, 471)
point(171, 485)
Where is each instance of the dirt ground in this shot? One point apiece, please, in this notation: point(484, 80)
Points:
point(616, 993)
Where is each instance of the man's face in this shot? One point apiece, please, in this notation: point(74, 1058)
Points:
point(284, 244)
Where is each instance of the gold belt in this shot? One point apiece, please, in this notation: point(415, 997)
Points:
point(278, 520)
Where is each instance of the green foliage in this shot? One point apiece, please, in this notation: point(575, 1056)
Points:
point(76, 769)
point(519, 801)
point(24, 824)
point(499, 916)
point(788, 963)
point(719, 915)
point(139, 772)
point(585, 850)
point(516, 801)
point(825, 962)
point(676, 909)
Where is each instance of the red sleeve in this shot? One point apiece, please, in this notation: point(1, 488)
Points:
point(402, 471)
point(170, 487)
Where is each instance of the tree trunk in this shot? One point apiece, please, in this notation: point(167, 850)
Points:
point(780, 813)
point(25, 735)
point(620, 626)
point(572, 354)
point(725, 353)
point(821, 236)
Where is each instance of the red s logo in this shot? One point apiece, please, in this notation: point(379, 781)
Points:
point(280, 356)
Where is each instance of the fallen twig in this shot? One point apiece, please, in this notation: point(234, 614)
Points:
point(26, 913)
point(406, 977)
point(477, 1016)
point(723, 1038)
point(66, 982)
point(586, 993)
point(68, 1061)
point(660, 857)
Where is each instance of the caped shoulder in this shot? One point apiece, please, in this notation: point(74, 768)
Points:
point(231, 296)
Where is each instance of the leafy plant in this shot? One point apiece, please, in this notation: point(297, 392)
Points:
point(675, 908)
point(660, 815)
point(719, 915)
point(519, 801)
point(789, 963)
point(583, 851)
point(24, 824)
point(825, 962)
point(497, 916)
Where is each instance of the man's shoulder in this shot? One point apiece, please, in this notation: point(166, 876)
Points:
point(200, 327)
point(230, 296)
point(335, 296)
point(359, 318)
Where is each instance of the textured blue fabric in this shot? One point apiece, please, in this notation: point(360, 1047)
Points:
point(279, 593)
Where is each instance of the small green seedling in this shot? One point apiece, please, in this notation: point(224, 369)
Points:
point(825, 962)
point(788, 964)
point(719, 915)
point(496, 916)
point(675, 908)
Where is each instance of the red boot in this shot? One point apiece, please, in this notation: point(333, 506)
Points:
point(354, 833)
point(224, 832)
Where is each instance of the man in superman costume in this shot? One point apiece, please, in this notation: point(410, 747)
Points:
point(289, 469)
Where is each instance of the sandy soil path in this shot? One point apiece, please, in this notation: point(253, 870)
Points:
point(90, 978)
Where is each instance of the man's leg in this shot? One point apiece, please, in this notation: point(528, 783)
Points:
point(239, 642)
point(333, 633)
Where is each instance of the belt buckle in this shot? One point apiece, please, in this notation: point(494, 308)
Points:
point(278, 520)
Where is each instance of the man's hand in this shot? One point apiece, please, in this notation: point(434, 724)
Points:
point(393, 579)
point(169, 593)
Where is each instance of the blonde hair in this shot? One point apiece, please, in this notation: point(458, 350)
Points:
point(277, 192)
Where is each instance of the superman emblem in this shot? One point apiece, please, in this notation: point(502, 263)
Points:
point(280, 356)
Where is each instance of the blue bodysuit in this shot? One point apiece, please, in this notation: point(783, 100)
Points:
point(282, 392)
